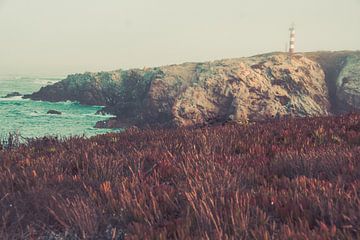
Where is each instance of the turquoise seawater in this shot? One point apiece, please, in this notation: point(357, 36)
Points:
point(30, 119)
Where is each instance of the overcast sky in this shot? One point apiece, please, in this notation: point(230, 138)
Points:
point(57, 37)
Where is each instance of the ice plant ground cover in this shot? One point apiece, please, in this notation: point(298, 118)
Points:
point(281, 179)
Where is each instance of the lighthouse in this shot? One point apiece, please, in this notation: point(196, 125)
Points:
point(292, 41)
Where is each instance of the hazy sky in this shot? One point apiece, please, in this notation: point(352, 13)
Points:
point(57, 37)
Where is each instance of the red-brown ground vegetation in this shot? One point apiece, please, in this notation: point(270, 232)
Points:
point(280, 179)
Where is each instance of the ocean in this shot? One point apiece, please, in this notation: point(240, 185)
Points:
point(30, 119)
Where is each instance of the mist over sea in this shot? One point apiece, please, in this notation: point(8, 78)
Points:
point(30, 119)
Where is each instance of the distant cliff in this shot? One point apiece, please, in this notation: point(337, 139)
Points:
point(244, 89)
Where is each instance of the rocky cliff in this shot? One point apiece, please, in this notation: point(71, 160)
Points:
point(244, 89)
point(348, 84)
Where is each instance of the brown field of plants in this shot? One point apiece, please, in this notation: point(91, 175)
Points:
point(281, 179)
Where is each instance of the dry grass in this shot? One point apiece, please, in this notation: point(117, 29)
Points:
point(287, 179)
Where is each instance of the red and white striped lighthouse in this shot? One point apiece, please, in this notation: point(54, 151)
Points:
point(292, 41)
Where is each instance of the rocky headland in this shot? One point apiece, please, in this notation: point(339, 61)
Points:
point(241, 90)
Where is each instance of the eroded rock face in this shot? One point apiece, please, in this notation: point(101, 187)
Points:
point(252, 89)
point(348, 84)
point(244, 89)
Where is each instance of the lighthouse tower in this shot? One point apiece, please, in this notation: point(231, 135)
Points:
point(292, 41)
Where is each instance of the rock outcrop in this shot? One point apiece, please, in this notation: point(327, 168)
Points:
point(88, 89)
point(348, 84)
point(242, 90)
point(342, 77)
point(253, 89)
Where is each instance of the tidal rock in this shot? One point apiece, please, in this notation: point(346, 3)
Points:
point(112, 123)
point(101, 112)
point(13, 94)
point(54, 112)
